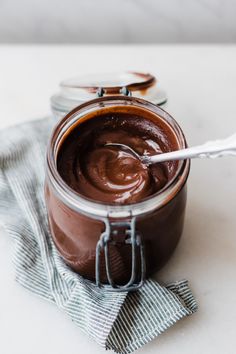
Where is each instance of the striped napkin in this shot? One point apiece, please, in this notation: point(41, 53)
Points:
point(122, 322)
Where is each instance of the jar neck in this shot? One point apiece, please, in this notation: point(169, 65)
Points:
point(97, 209)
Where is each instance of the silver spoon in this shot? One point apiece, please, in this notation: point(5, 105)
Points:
point(211, 149)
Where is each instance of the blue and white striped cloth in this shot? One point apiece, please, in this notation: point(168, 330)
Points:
point(118, 321)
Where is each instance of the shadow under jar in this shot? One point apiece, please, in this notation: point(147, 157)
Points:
point(111, 232)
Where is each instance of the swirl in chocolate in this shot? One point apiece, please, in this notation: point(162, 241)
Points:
point(109, 174)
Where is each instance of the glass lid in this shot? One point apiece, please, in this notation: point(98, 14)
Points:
point(77, 90)
point(111, 82)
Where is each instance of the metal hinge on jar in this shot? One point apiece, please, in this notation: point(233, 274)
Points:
point(123, 91)
point(113, 230)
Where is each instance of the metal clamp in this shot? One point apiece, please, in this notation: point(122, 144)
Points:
point(117, 230)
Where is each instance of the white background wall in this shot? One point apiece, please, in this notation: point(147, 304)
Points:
point(117, 21)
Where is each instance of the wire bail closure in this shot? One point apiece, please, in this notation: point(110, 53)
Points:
point(133, 238)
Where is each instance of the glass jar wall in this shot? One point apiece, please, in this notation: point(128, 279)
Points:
point(115, 244)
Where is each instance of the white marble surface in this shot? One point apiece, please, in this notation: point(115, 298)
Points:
point(200, 81)
point(123, 21)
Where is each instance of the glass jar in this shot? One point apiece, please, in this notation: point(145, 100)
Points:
point(119, 245)
point(78, 90)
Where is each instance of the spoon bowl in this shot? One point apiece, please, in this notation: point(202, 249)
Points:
point(145, 159)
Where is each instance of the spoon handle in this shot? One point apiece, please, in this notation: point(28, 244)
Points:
point(211, 149)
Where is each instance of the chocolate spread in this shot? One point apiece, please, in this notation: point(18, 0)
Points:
point(107, 173)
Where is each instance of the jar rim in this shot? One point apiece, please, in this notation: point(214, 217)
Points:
point(98, 209)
